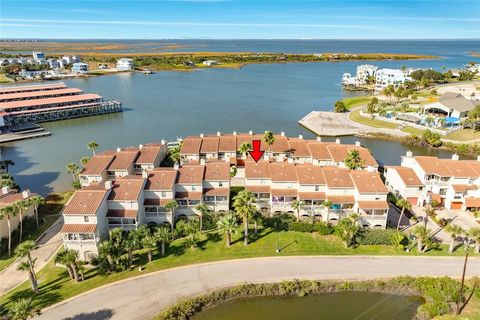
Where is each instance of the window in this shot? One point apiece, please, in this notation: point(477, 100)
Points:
point(194, 188)
point(220, 184)
point(317, 188)
point(164, 194)
point(85, 218)
point(420, 188)
point(443, 192)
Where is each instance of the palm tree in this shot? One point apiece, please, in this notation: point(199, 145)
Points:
point(269, 139)
point(256, 218)
point(474, 234)
point(245, 148)
point(348, 228)
point(172, 205)
point(61, 257)
point(5, 164)
point(404, 204)
point(297, 205)
point(22, 309)
point(92, 146)
point(149, 243)
point(106, 252)
point(228, 226)
point(72, 168)
point(24, 249)
point(84, 161)
point(36, 201)
point(455, 231)
point(175, 154)
point(353, 160)
point(163, 235)
point(421, 233)
point(21, 206)
point(8, 212)
point(134, 241)
point(203, 209)
point(244, 206)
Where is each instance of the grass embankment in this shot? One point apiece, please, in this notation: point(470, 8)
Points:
point(357, 117)
point(354, 102)
point(439, 294)
point(55, 285)
point(4, 79)
point(48, 214)
point(463, 135)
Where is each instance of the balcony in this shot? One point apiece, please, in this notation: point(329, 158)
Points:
point(79, 243)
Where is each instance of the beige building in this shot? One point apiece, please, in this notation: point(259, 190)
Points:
point(8, 197)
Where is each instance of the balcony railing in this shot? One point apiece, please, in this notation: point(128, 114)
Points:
point(79, 243)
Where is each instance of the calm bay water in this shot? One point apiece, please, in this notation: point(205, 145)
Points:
point(167, 105)
point(360, 306)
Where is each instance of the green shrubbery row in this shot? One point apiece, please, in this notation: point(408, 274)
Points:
point(440, 294)
point(287, 222)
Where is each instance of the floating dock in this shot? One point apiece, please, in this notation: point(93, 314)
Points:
point(23, 135)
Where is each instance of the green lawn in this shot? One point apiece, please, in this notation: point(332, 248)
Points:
point(413, 131)
point(355, 116)
point(55, 285)
point(356, 101)
point(50, 212)
point(463, 135)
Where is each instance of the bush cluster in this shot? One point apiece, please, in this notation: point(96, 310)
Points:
point(287, 222)
point(377, 237)
point(29, 227)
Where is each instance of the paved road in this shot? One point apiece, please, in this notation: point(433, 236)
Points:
point(48, 244)
point(143, 297)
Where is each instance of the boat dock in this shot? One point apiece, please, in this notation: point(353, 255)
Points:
point(330, 124)
point(23, 135)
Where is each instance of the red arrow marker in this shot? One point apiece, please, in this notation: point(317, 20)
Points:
point(256, 153)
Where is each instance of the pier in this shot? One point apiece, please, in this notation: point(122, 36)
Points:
point(330, 124)
point(23, 135)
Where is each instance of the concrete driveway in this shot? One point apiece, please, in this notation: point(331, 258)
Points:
point(466, 220)
point(145, 296)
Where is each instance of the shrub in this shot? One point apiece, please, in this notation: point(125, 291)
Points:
point(301, 226)
point(378, 236)
point(324, 228)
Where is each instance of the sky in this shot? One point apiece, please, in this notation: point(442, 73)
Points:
point(238, 19)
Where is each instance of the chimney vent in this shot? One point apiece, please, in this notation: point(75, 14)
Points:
point(338, 141)
point(319, 139)
point(163, 142)
point(357, 143)
point(144, 174)
point(455, 156)
point(108, 185)
point(25, 193)
point(5, 190)
point(140, 146)
point(300, 136)
point(119, 149)
point(409, 154)
point(234, 133)
point(201, 135)
point(250, 132)
point(176, 166)
point(218, 134)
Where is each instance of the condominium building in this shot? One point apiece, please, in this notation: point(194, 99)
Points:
point(328, 193)
point(452, 183)
point(225, 147)
point(79, 67)
point(109, 165)
point(386, 77)
point(8, 197)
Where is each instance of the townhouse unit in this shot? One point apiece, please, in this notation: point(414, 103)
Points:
point(225, 147)
point(8, 197)
point(328, 193)
point(109, 165)
point(451, 183)
point(133, 200)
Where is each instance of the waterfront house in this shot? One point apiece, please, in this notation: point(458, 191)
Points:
point(8, 197)
point(386, 77)
point(365, 72)
point(125, 64)
point(79, 67)
point(451, 183)
point(39, 57)
point(210, 62)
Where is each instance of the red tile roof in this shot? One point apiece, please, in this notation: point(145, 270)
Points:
point(161, 179)
point(374, 204)
point(191, 145)
point(123, 160)
point(127, 189)
point(79, 228)
point(472, 202)
point(217, 192)
point(97, 164)
point(122, 213)
point(258, 189)
point(341, 199)
point(313, 195)
point(188, 195)
point(408, 176)
point(217, 171)
point(257, 170)
point(284, 192)
point(148, 154)
point(190, 174)
point(368, 182)
point(337, 178)
point(280, 172)
point(209, 145)
point(310, 174)
point(85, 202)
